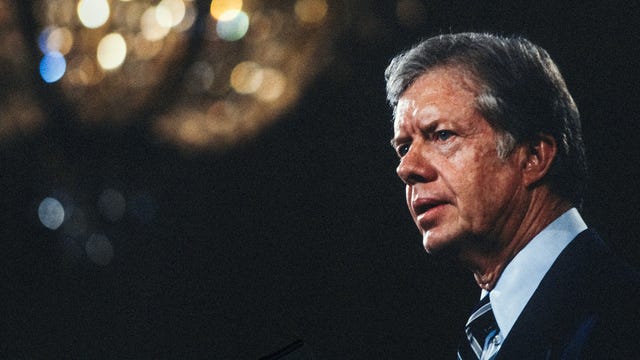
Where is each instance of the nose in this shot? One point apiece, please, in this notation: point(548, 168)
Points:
point(415, 167)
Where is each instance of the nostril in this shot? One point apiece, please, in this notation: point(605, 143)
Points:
point(414, 178)
point(412, 172)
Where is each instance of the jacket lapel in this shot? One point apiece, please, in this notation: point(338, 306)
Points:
point(557, 308)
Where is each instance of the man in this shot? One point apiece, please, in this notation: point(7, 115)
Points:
point(491, 153)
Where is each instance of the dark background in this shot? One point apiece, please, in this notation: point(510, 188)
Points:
point(303, 232)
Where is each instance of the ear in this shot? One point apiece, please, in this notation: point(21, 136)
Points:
point(539, 156)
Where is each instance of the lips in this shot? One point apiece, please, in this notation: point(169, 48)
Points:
point(425, 209)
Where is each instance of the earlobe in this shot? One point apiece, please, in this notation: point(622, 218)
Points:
point(540, 155)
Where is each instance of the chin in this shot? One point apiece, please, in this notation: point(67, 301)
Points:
point(439, 246)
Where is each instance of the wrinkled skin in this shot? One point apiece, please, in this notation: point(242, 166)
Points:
point(464, 198)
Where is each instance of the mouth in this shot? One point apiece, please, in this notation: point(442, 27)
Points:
point(423, 205)
point(425, 209)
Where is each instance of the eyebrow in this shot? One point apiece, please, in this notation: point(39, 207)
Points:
point(395, 141)
point(430, 128)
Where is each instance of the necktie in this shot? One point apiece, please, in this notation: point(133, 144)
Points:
point(480, 324)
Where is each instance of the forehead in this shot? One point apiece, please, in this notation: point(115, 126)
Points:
point(443, 89)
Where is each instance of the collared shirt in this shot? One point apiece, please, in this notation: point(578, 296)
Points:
point(523, 274)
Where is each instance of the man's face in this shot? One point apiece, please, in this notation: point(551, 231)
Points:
point(460, 193)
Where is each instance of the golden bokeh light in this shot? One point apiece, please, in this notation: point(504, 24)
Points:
point(246, 77)
point(311, 11)
point(83, 71)
point(225, 9)
point(93, 13)
point(112, 50)
point(150, 23)
point(273, 85)
point(175, 8)
point(164, 17)
point(60, 40)
point(125, 62)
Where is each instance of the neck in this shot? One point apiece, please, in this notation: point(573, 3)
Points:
point(488, 262)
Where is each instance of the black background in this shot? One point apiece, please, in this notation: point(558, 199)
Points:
point(303, 232)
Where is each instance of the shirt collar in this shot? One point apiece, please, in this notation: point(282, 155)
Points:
point(523, 274)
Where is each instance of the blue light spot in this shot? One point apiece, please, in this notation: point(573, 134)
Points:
point(233, 29)
point(52, 67)
point(51, 213)
point(42, 40)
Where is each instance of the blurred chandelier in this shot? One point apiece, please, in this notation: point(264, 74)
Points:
point(197, 73)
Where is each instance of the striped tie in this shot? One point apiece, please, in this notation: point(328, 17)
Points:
point(480, 324)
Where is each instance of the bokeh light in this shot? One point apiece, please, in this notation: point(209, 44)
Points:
point(246, 77)
point(187, 20)
point(233, 25)
point(176, 10)
point(93, 13)
point(225, 8)
point(273, 85)
point(152, 29)
point(52, 67)
point(99, 249)
point(112, 50)
point(51, 213)
point(114, 59)
point(311, 11)
point(164, 16)
point(58, 39)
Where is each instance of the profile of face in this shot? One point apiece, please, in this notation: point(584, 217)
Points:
point(460, 192)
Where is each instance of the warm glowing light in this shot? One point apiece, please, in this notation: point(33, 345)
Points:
point(192, 131)
point(55, 39)
point(176, 8)
point(84, 71)
point(61, 40)
point(311, 11)
point(93, 13)
point(252, 59)
point(273, 85)
point(143, 48)
point(233, 25)
point(52, 67)
point(226, 7)
point(246, 77)
point(112, 50)
point(164, 17)
point(51, 213)
point(152, 30)
point(188, 19)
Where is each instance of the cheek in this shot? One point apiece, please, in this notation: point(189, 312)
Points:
point(408, 194)
point(480, 181)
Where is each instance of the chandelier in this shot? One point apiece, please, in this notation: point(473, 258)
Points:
point(195, 73)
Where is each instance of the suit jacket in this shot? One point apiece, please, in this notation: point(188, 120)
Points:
point(586, 307)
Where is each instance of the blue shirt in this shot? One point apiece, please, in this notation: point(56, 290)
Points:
point(523, 274)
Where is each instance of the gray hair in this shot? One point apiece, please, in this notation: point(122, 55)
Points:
point(519, 91)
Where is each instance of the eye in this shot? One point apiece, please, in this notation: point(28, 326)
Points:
point(443, 135)
point(403, 149)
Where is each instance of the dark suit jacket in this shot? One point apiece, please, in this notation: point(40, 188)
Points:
point(586, 307)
